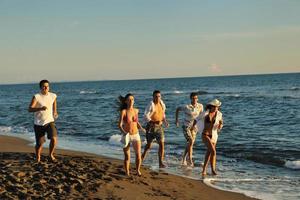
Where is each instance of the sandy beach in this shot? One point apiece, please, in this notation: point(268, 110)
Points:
point(81, 175)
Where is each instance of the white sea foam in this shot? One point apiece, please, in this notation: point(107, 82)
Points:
point(5, 129)
point(115, 139)
point(13, 129)
point(88, 92)
point(293, 164)
point(295, 88)
point(249, 193)
point(244, 180)
point(178, 92)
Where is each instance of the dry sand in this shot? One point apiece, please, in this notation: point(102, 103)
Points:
point(78, 175)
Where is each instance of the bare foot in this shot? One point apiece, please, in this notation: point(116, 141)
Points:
point(214, 172)
point(162, 165)
point(184, 163)
point(139, 173)
point(38, 159)
point(191, 164)
point(52, 158)
point(203, 173)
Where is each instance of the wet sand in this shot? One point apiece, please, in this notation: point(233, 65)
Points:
point(78, 175)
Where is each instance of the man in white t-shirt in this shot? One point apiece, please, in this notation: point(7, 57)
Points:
point(191, 112)
point(43, 104)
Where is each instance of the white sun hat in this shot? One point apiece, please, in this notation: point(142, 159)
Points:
point(215, 102)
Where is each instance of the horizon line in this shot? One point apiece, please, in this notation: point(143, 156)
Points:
point(138, 79)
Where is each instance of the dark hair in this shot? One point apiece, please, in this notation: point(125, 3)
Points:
point(156, 92)
point(42, 83)
point(193, 94)
point(208, 107)
point(122, 101)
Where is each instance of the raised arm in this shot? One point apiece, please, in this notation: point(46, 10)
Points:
point(32, 106)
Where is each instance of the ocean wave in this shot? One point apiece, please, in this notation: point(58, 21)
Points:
point(178, 92)
point(87, 92)
point(115, 139)
point(258, 156)
point(292, 164)
point(103, 137)
point(239, 180)
point(5, 129)
point(295, 88)
point(199, 92)
point(174, 92)
point(245, 186)
point(13, 129)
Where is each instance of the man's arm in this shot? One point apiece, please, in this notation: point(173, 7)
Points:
point(147, 113)
point(176, 116)
point(55, 114)
point(32, 106)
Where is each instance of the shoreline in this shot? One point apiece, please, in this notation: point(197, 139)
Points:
point(84, 175)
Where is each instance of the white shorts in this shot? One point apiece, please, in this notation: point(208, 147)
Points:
point(134, 138)
point(127, 139)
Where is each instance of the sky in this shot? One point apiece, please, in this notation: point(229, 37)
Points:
point(78, 40)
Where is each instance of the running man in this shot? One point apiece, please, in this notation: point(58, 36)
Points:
point(155, 117)
point(43, 104)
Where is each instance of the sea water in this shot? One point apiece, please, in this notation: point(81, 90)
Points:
point(258, 149)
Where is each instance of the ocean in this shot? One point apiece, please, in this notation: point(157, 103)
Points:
point(258, 150)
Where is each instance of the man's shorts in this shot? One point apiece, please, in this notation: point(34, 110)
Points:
point(155, 131)
point(188, 133)
point(40, 132)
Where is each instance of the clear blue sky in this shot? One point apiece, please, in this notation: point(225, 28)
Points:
point(124, 39)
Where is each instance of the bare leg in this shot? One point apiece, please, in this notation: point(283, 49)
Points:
point(52, 146)
point(147, 147)
point(161, 153)
point(207, 156)
point(38, 148)
point(185, 154)
point(38, 151)
point(127, 159)
point(190, 151)
point(213, 159)
point(211, 152)
point(138, 159)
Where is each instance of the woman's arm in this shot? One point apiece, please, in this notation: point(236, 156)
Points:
point(220, 124)
point(122, 114)
point(139, 126)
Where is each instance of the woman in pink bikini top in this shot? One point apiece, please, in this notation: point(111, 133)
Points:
point(129, 126)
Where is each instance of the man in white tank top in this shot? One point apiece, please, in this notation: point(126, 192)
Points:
point(43, 104)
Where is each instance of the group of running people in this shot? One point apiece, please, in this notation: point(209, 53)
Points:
point(209, 122)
